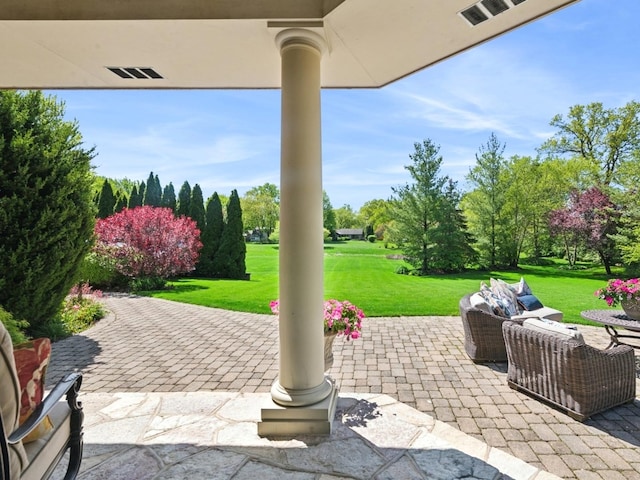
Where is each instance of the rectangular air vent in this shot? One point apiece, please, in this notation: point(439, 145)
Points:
point(135, 72)
point(474, 15)
point(486, 9)
point(495, 6)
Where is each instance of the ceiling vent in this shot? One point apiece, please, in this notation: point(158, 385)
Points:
point(486, 9)
point(135, 72)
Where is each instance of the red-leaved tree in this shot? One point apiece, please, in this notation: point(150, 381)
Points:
point(590, 219)
point(148, 242)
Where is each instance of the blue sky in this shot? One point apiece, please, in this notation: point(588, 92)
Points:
point(512, 86)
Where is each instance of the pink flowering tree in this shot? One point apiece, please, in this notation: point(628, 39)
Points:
point(148, 242)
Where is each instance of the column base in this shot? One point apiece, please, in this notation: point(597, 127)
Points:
point(285, 421)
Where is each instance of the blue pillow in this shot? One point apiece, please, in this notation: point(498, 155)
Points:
point(529, 302)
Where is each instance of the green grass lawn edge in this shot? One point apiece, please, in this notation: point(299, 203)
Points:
point(364, 273)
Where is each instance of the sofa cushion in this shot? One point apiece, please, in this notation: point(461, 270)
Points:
point(10, 401)
point(32, 360)
point(557, 329)
point(45, 450)
point(529, 302)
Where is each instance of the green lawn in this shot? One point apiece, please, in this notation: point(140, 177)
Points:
point(362, 273)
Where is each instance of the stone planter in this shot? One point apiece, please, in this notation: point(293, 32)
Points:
point(631, 308)
point(328, 350)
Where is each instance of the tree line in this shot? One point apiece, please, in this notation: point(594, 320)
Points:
point(577, 199)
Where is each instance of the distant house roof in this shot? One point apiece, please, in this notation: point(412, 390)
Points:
point(349, 231)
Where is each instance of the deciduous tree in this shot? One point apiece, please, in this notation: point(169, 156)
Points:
point(260, 208)
point(590, 220)
point(149, 242)
point(346, 217)
point(606, 138)
point(328, 215)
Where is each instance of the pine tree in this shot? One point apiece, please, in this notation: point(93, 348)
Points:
point(169, 197)
point(232, 251)
point(423, 214)
point(196, 207)
point(47, 215)
point(184, 200)
point(107, 201)
point(211, 237)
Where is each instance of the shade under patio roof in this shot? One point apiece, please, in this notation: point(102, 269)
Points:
point(50, 44)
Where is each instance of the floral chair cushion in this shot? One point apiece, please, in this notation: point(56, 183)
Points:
point(32, 360)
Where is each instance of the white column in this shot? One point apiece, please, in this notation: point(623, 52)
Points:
point(301, 382)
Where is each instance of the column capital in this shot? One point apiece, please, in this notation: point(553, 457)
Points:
point(301, 36)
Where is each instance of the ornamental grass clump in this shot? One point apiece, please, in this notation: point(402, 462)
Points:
point(618, 291)
point(340, 318)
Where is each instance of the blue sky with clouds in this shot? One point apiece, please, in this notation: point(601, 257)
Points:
point(512, 86)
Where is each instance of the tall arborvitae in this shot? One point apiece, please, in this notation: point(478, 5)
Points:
point(153, 193)
point(46, 210)
point(196, 207)
point(141, 192)
point(184, 200)
point(169, 197)
point(211, 237)
point(135, 200)
point(232, 251)
point(107, 200)
point(121, 202)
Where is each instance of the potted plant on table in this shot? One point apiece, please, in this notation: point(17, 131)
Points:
point(623, 292)
point(341, 318)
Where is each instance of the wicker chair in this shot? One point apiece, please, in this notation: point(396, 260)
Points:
point(483, 339)
point(568, 374)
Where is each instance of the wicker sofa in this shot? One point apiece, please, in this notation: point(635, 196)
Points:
point(560, 369)
point(483, 339)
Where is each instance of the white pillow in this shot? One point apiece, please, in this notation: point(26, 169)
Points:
point(558, 329)
point(478, 301)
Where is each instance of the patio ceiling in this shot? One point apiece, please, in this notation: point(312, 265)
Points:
point(51, 44)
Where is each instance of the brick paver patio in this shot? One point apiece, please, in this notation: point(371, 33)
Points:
point(152, 345)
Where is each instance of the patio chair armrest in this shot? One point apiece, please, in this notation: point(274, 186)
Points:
point(69, 385)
